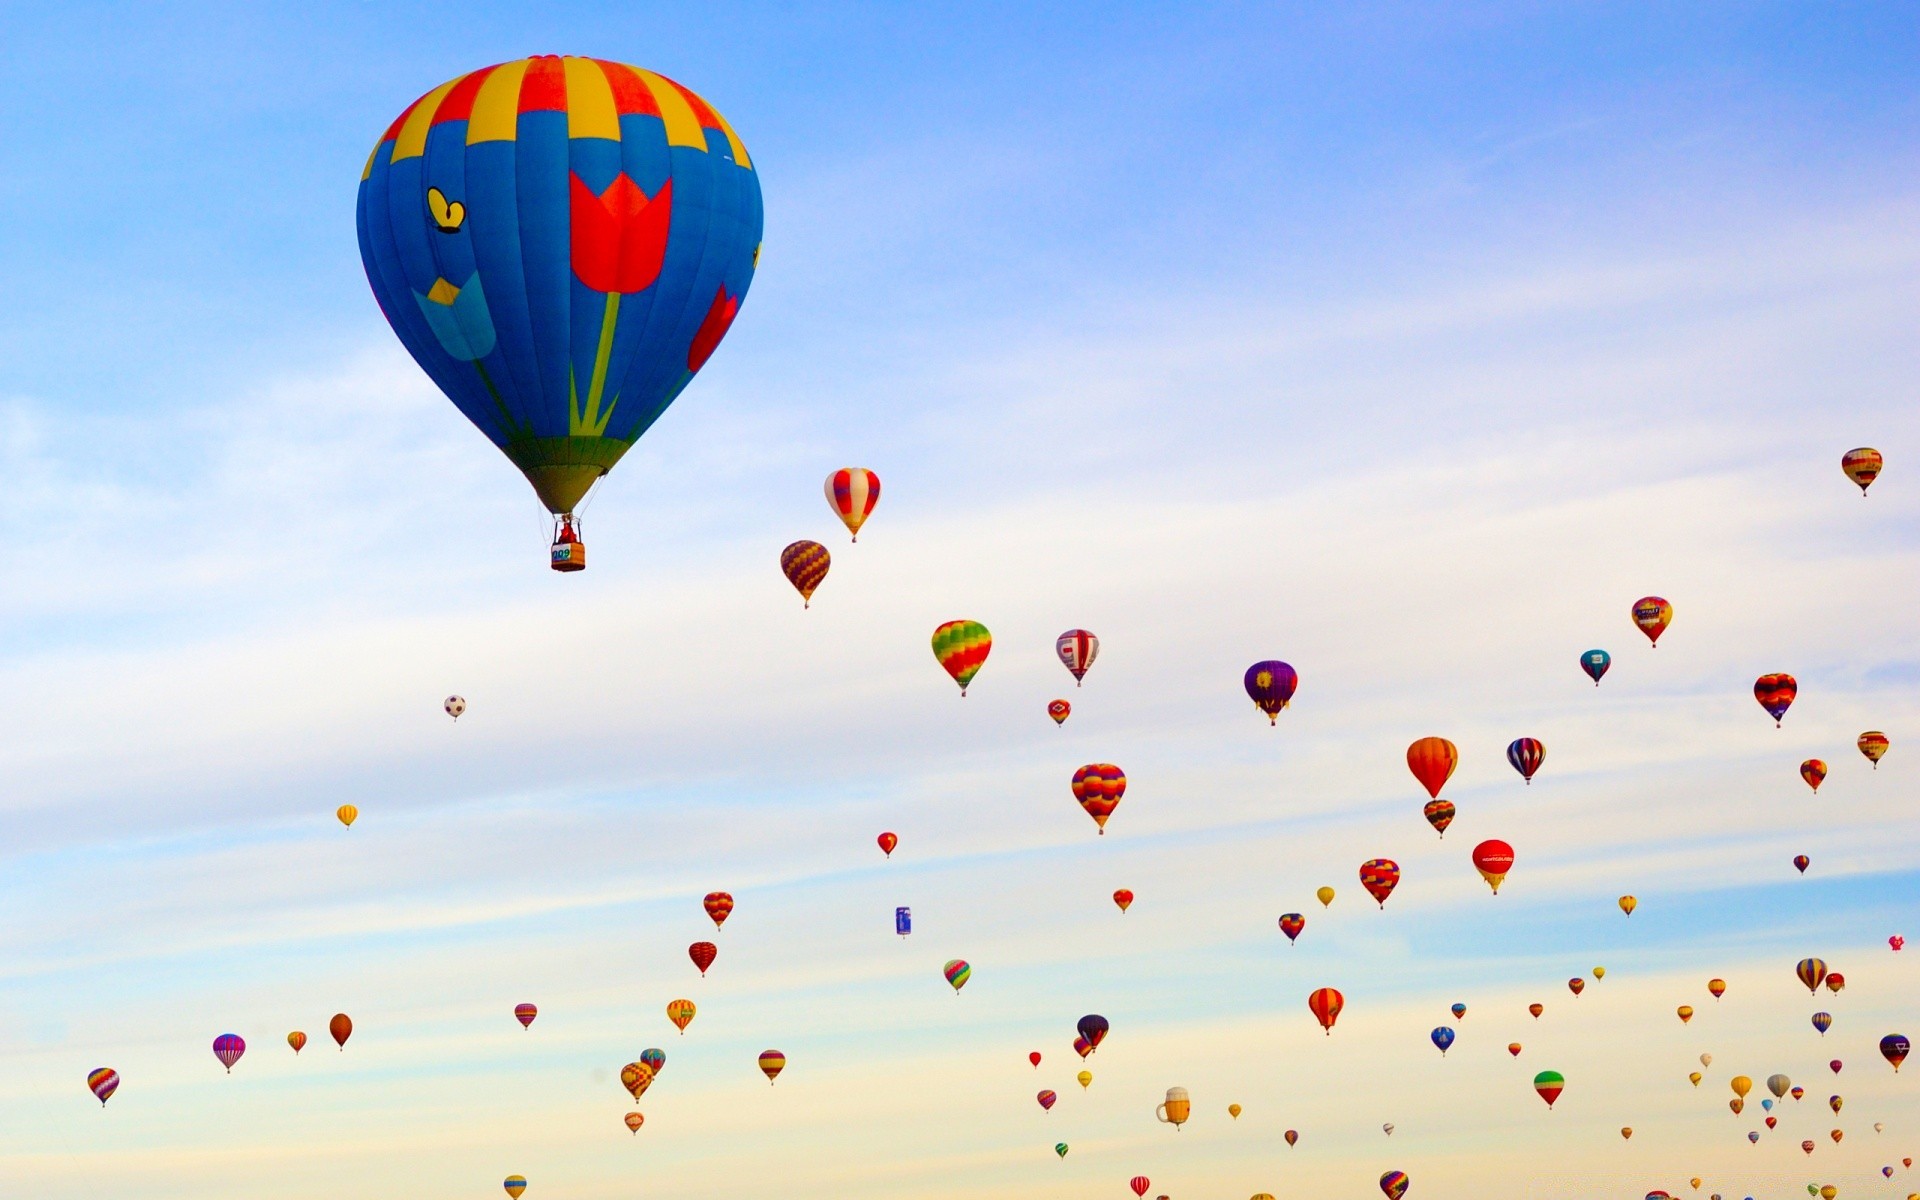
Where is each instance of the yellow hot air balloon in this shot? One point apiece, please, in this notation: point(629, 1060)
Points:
point(1828, 1191)
point(1233, 1110)
point(1628, 904)
point(1599, 972)
point(1685, 1012)
point(1694, 1078)
point(1741, 1085)
point(1085, 1078)
point(680, 1012)
point(1695, 1181)
point(347, 813)
point(1325, 896)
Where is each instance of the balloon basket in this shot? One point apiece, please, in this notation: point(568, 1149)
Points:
point(569, 556)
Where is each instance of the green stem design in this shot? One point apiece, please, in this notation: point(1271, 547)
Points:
point(592, 423)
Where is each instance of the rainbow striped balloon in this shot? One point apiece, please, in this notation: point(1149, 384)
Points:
point(1394, 1184)
point(103, 1082)
point(957, 972)
point(515, 1184)
point(772, 1062)
point(1098, 787)
point(962, 648)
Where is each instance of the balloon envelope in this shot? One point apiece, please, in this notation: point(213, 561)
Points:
point(772, 1062)
point(341, 1027)
point(1270, 685)
point(1493, 858)
point(851, 493)
point(1652, 615)
point(1549, 1084)
point(962, 648)
point(1775, 693)
point(1862, 465)
point(1526, 754)
point(1380, 876)
point(1432, 760)
point(103, 1082)
point(228, 1048)
point(1595, 664)
point(805, 564)
point(1077, 649)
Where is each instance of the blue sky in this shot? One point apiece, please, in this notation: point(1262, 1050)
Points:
point(1409, 345)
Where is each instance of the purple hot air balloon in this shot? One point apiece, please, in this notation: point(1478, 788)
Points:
point(228, 1048)
point(1093, 1027)
point(1526, 754)
point(1270, 684)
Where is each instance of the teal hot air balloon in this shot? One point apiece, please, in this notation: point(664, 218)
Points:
point(560, 243)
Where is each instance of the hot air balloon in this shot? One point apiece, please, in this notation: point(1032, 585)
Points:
point(1077, 649)
point(1513, 1048)
point(1626, 1131)
point(1694, 1078)
point(1442, 1038)
point(1325, 896)
point(505, 217)
point(1270, 685)
point(1291, 924)
point(347, 814)
point(1599, 972)
point(1093, 1027)
point(525, 1013)
point(1234, 1110)
point(1326, 1004)
point(1292, 1136)
point(1835, 1103)
point(1813, 771)
point(297, 1040)
point(341, 1027)
point(772, 1062)
point(1778, 1085)
point(1060, 1148)
point(1862, 465)
point(1628, 904)
point(851, 493)
point(228, 1048)
point(1801, 862)
point(454, 706)
point(1380, 876)
point(515, 1184)
point(636, 1077)
point(962, 648)
point(1123, 898)
point(719, 906)
point(1394, 1184)
point(805, 565)
point(703, 954)
point(1652, 615)
point(1432, 760)
point(1536, 1009)
point(1775, 693)
point(1576, 985)
point(1796, 1091)
point(1098, 787)
point(680, 1012)
point(1034, 1058)
point(887, 843)
point(655, 1058)
point(634, 1122)
point(1736, 1104)
point(1439, 814)
point(1059, 710)
point(1493, 858)
point(1140, 1184)
point(1894, 1048)
point(1084, 1078)
point(1685, 1013)
point(1741, 1085)
point(1812, 972)
point(1526, 754)
point(1833, 1066)
point(1718, 987)
point(1808, 1147)
point(1873, 744)
point(957, 972)
point(1082, 1047)
point(1896, 942)
point(1595, 664)
point(1175, 1109)
point(1046, 1099)
point(1822, 1021)
point(1549, 1084)
point(1835, 981)
point(103, 1082)
point(1387, 1129)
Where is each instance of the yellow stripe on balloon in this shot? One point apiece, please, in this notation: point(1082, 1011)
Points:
point(590, 109)
point(412, 141)
point(496, 106)
point(739, 148)
point(683, 127)
point(366, 172)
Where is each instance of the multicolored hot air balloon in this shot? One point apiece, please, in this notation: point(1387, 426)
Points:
point(1082, 1047)
point(1432, 760)
point(228, 1048)
point(772, 1062)
point(1093, 1027)
point(1862, 465)
point(1775, 693)
point(957, 972)
point(103, 1082)
point(297, 1040)
point(1716, 988)
point(719, 906)
point(1684, 1012)
point(1595, 664)
point(1047, 1099)
point(1526, 754)
point(1459, 1010)
point(509, 216)
point(1442, 1036)
point(1380, 876)
point(655, 1058)
point(1493, 858)
point(525, 1013)
point(1325, 1004)
point(1894, 1048)
point(703, 954)
point(1291, 924)
point(635, 1121)
point(636, 1077)
point(1873, 744)
point(1652, 615)
point(341, 1027)
point(1077, 649)
point(347, 814)
point(1059, 710)
point(1814, 772)
point(681, 1012)
point(515, 1184)
point(1835, 981)
point(1394, 1184)
point(887, 843)
point(1439, 814)
point(805, 565)
point(1549, 1084)
point(1801, 862)
point(851, 493)
point(1822, 1021)
point(455, 705)
point(962, 648)
point(1098, 787)
point(1270, 685)
point(1576, 985)
point(1812, 972)
point(1123, 898)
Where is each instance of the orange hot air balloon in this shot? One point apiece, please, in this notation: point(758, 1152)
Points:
point(1292, 1136)
point(1718, 987)
point(1124, 898)
point(1380, 876)
point(636, 1077)
point(1326, 1004)
point(1862, 465)
point(1652, 615)
point(1626, 1131)
point(1685, 1012)
point(887, 843)
point(1628, 904)
point(1493, 858)
point(1873, 744)
point(1098, 787)
point(680, 1012)
point(635, 1121)
point(347, 814)
point(1576, 985)
point(805, 566)
point(1736, 1104)
point(1059, 710)
point(1513, 1048)
point(703, 954)
point(341, 1027)
point(297, 1040)
point(1432, 760)
point(719, 906)
point(1814, 772)
point(1536, 1009)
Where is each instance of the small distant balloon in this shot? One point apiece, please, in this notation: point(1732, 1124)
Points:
point(634, 1122)
point(1814, 771)
point(1439, 814)
point(1812, 972)
point(1652, 615)
point(1459, 1010)
point(1513, 1048)
point(1291, 924)
point(1595, 664)
point(1801, 862)
point(1325, 1004)
point(1234, 1111)
point(1292, 1136)
point(1775, 693)
point(1034, 1058)
point(656, 1060)
point(1526, 754)
point(1536, 1008)
point(703, 954)
point(515, 1184)
point(1741, 1085)
point(1099, 788)
point(347, 814)
point(1077, 649)
point(1093, 1027)
point(1862, 465)
point(962, 648)
point(103, 1082)
point(1576, 985)
point(1047, 1099)
point(805, 565)
point(1380, 876)
point(1894, 1048)
point(1549, 1084)
point(887, 843)
point(680, 1012)
point(228, 1048)
point(1685, 1013)
point(1082, 1047)
point(1140, 1184)
point(1432, 760)
point(1628, 904)
point(1270, 685)
point(1084, 1078)
point(454, 706)
point(1325, 896)
point(1123, 898)
point(772, 1062)
point(297, 1040)
point(1718, 987)
point(1493, 858)
point(1394, 1184)
point(1442, 1038)
point(1873, 744)
point(957, 972)
point(1059, 710)
point(719, 906)
point(851, 493)
point(341, 1027)
point(1060, 1148)
point(525, 1013)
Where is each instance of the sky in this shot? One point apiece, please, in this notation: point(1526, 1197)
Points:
point(1409, 344)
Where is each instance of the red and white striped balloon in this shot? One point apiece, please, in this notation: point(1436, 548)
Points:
point(853, 491)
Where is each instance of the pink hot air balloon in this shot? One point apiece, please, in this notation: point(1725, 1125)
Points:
point(228, 1048)
point(525, 1013)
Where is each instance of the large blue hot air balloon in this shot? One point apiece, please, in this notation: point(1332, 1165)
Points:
point(1443, 1037)
point(1595, 664)
point(560, 243)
